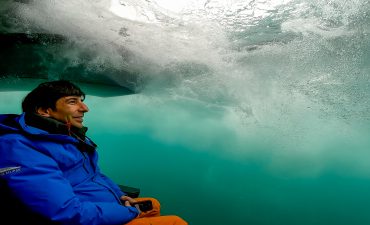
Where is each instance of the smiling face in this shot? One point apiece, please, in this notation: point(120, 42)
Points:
point(67, 109)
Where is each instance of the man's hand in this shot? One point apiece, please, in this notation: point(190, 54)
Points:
point(127, 200)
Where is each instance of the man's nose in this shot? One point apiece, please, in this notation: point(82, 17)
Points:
point(83, 107)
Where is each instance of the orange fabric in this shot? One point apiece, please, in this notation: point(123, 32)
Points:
point(158, 220)
point(153, 216)
point(156, 208)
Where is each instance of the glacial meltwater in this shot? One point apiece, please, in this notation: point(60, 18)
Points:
point(239, 112)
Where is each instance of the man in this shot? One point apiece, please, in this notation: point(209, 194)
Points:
point(50, 166)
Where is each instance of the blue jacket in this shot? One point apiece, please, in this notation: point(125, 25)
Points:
point(54, 178)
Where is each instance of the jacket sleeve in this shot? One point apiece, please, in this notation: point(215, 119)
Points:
point(49, 193)
point(112, 185)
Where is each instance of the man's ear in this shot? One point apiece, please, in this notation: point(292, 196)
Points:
point(43, 112)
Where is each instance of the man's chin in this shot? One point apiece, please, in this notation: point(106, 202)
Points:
point(78, 125)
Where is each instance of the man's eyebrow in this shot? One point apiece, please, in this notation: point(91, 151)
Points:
point(72, 98)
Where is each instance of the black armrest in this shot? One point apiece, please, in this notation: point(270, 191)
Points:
point(130, 191)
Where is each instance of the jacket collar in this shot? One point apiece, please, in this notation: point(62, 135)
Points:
point(53, 126)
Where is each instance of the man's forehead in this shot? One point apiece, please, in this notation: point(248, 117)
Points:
point(71, 97)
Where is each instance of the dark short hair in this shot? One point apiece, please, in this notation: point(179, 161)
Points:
point(46, 94)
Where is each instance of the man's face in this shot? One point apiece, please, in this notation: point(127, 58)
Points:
point(69, 109)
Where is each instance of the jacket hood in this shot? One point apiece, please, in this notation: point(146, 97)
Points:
point(9, 123)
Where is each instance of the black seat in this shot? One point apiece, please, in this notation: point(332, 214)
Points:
point(130, 191)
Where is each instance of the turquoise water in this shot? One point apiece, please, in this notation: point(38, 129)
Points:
point(246, 112)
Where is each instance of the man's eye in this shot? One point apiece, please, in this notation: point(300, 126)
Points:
point(72, 102)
